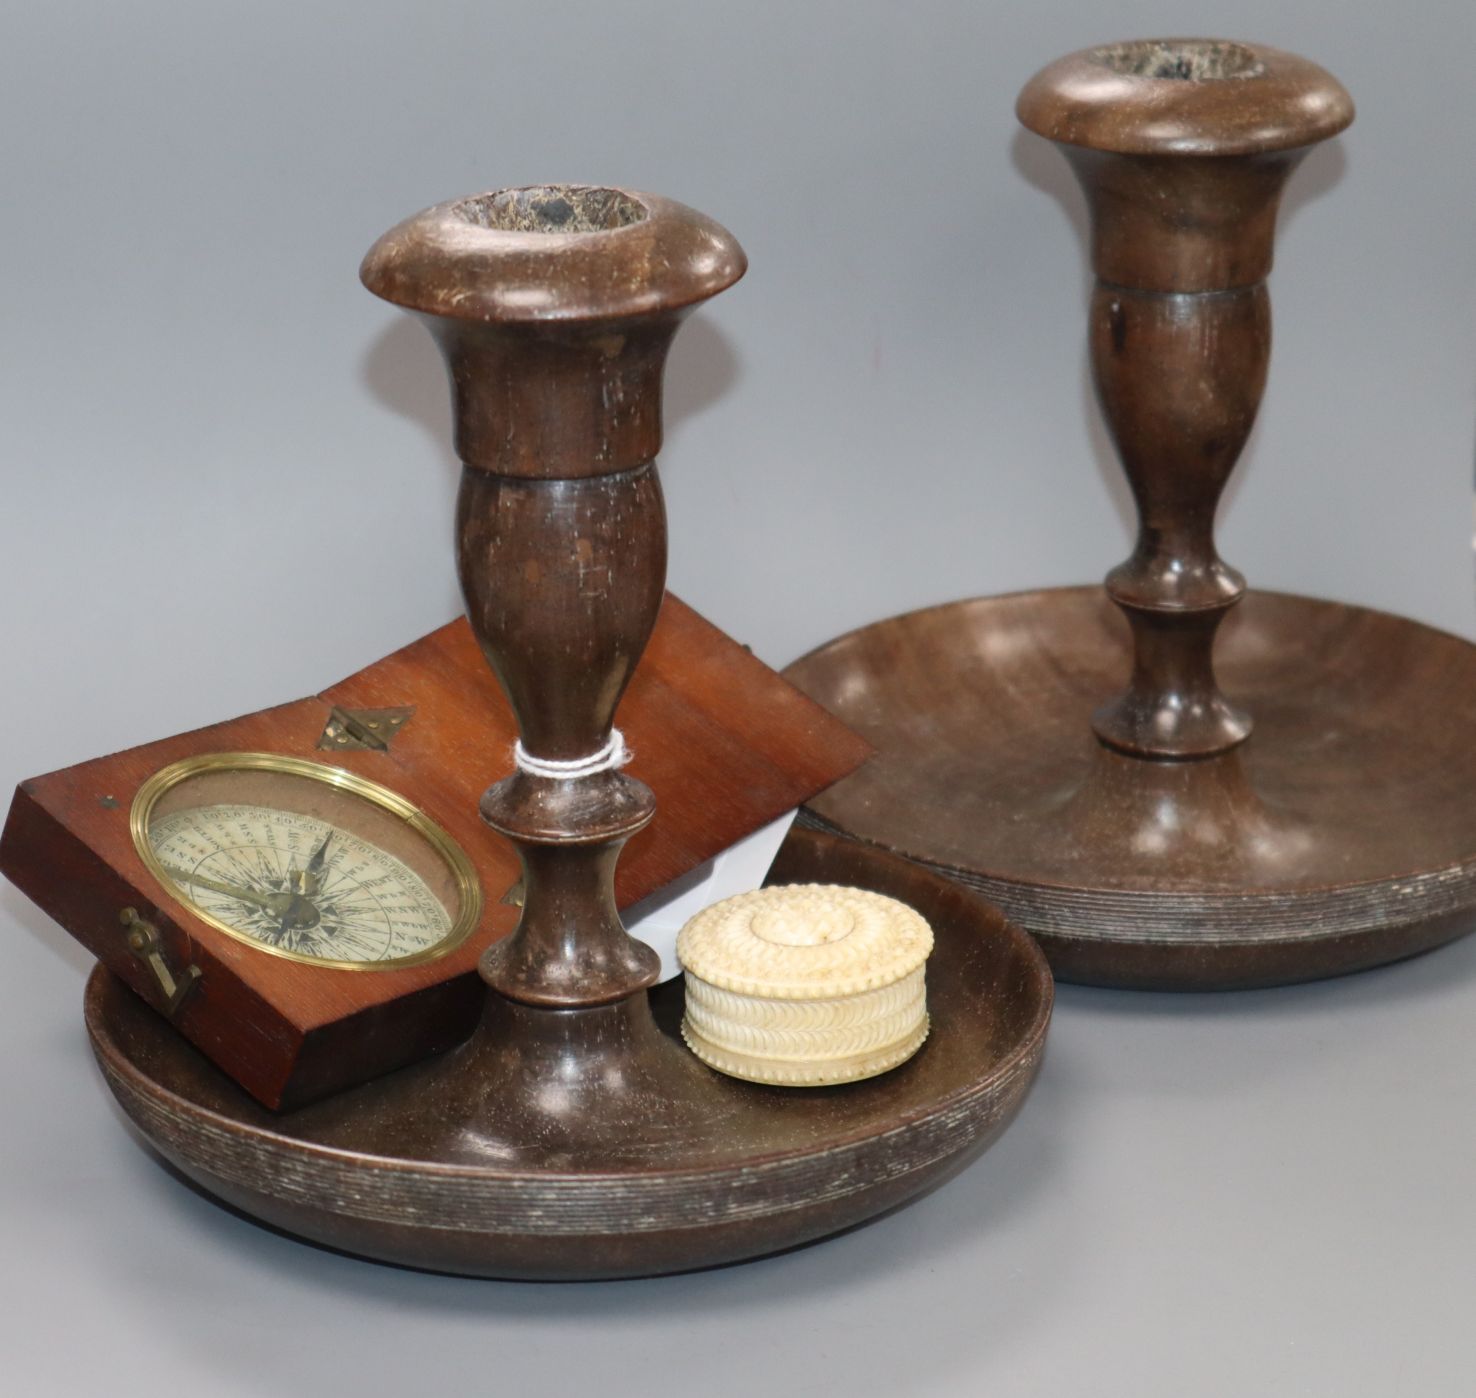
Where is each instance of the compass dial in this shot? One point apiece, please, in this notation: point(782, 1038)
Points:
point(253, 867)
point(305, 861)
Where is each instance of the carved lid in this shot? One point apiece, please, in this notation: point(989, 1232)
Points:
point(553, 253)
point(1184, 97)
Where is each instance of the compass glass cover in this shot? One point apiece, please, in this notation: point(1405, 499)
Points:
point(306, 861)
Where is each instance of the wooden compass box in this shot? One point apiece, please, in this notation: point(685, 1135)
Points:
point(725, 743)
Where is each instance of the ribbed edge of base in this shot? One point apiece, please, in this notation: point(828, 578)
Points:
point(1189, 918)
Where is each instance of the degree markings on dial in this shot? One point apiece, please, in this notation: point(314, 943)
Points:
point(371, 906)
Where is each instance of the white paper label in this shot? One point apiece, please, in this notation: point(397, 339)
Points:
point(740, 868)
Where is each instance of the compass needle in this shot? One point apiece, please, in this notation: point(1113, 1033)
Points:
point(306, 887)
point(310, 881)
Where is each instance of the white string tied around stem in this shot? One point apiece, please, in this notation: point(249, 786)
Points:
point(613, 754)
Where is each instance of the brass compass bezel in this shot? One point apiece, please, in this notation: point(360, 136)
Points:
point(468, 887)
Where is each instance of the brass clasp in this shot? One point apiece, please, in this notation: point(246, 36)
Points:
point(144, 942)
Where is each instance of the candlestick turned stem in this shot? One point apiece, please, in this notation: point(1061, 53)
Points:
point(1183, 148)
point(554, 307)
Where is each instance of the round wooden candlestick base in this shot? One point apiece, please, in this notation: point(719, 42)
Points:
point(1341, 834)
point(487, 1163)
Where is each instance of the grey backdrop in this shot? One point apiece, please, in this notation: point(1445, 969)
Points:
point(228, 483)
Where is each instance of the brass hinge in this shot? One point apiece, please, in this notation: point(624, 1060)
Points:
point(363, 728)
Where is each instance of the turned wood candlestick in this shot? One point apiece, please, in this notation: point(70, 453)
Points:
point(1183, 150)
point(574, 1135)
point(1278, 793)
point(555, 308)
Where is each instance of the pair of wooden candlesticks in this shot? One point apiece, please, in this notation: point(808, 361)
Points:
point(1189, 843)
